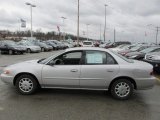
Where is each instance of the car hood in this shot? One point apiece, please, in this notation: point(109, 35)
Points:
point(19, 47)
point(124, 51)
point(154, 53)
point(133, 53)
point(23, 63)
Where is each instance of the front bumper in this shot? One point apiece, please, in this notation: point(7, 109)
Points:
point(145, 83)
point(8, 79)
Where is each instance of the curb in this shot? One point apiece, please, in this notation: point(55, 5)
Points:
point(158, 79)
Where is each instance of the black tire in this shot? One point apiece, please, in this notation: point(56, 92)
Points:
point(28, 50)
point(10, 52)
point(124, 92)
point(23, 87)
point(42, 49)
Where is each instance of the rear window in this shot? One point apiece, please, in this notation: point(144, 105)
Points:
point(124, 58)
point(87, 43)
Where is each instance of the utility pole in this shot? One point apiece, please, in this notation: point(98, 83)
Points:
point(157, 31)
point(114, 35)
point(100, 32)
point(87, 31)
point(31, 5)
point(63, 27)
point(78, 25)
point(105, 24)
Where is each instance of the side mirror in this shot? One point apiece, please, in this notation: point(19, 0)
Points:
point(51, 63)
point(6, 45)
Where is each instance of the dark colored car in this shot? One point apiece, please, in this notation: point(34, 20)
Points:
point(54, 46)
point(154, 59)
point(115, 44)
point(134, 49)
point(59, 44)
point(11, 47)
point(141, 54)
point(121, 43)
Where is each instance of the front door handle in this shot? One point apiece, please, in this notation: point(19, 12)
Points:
point(110, 70)
point(74, 70)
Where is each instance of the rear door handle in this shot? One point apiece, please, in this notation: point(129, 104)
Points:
point(74, 70)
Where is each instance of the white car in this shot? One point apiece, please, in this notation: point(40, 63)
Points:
point(87, 44)
point(82, 68)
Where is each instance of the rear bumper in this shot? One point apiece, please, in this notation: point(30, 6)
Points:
point(145, 83)
point(33, 50)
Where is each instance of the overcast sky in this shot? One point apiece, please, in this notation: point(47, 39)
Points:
point(129, 17)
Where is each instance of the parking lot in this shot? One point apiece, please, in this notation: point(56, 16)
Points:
point(55, 104)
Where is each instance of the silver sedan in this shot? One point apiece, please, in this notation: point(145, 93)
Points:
point(82, 68)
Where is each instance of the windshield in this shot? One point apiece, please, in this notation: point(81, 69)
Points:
point(135, 48)
point(50, 58)
point(124, 58)
point(11, 43)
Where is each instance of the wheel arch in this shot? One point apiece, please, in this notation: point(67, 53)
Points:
point(25, 73)
point(123, 77)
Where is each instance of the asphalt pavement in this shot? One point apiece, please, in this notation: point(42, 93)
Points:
point(55, 104)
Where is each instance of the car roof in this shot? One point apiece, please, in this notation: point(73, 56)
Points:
point(86, 48)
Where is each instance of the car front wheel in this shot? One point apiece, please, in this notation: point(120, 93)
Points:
point(122, 89)
point(26, 84)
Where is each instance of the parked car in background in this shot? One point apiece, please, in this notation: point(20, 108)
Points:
point(30, 46)
point(68, 44)
point(59, 44)
point(44, 47)
point(10, 47)
point(103, 45)
point(82, 68)
point(121, 48)
point(121, 43)
point(141, 54)
point(154, 59)
point(87, 44)
point(133, 49)
point(54, 46)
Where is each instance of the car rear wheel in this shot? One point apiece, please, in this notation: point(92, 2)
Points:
point(26, 84)
point(122, 89)
point(10, 52)
point(42, 49)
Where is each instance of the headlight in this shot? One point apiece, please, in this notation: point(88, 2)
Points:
point(155, 57)
point(6, 72)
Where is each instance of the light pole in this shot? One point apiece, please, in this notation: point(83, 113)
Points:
point(157, 31)
point(100, 32)
point(114, 35)
point(31, 5)
point(63, 27)
point(78, 25)
point(87, 31)
point(105, 23)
